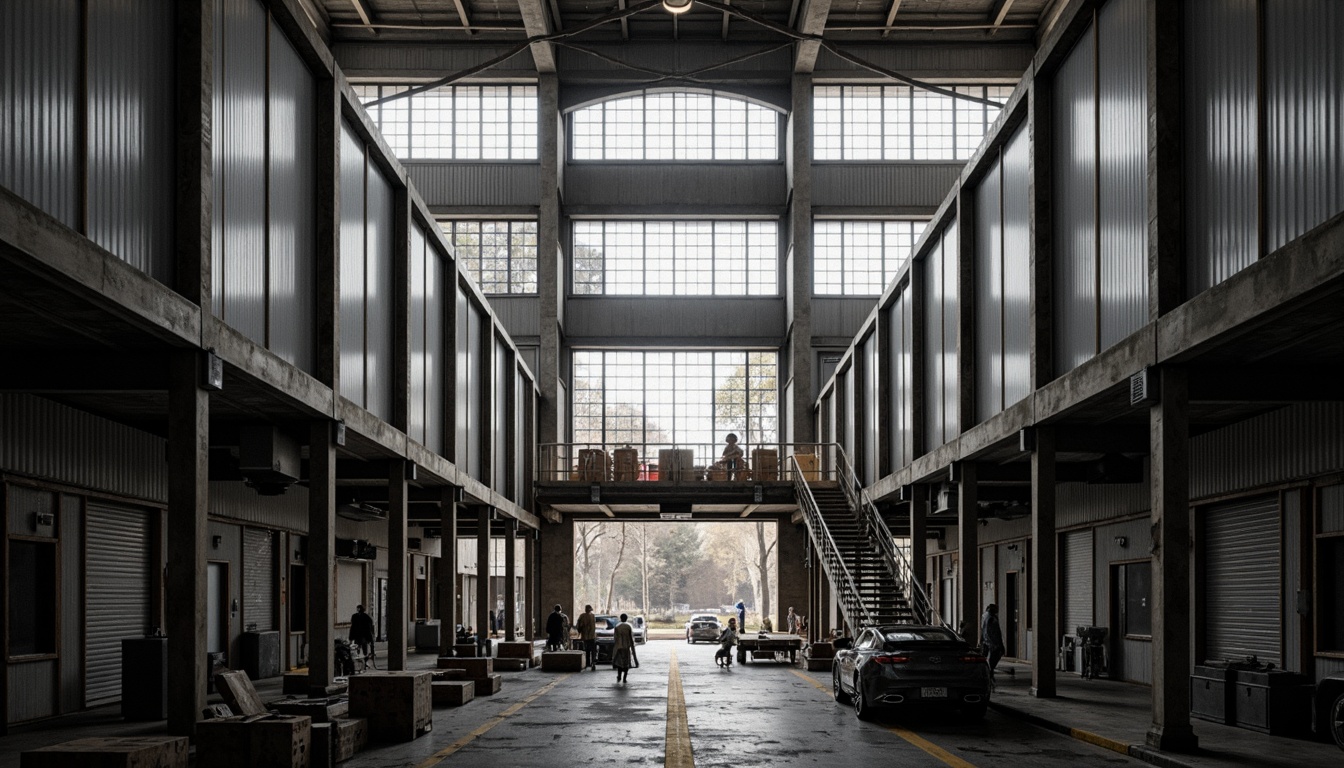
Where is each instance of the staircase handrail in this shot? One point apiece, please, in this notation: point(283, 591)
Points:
point(901, 568)
point(831, 560)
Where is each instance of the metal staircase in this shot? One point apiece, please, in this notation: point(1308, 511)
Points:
point(871, 577)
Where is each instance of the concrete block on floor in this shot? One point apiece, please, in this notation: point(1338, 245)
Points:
point(449, 674)
point(562, 661)
point(474, 667)
point(453, 693)
point(516, 649)
point(489, 685)
point(819, 665)
point(464, 650)
point(238, 693)
point(111, 752)
point(398, 705)
point(511, 665)
point(265, 741)
point(320, 710)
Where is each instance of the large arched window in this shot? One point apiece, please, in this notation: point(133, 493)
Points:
point(675, 125)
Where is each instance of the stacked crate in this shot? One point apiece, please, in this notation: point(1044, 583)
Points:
point(594, 465)
point(765, 464)
point(398, 705)
point(625, 465)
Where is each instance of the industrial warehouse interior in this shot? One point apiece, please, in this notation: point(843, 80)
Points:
point(979, 360)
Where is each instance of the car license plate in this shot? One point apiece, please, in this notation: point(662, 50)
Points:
point(933, 693)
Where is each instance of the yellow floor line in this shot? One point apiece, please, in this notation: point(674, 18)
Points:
point(447, 751)
point(678, 753)
point(908, 735)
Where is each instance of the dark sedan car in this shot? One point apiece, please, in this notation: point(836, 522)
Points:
point(911, 665)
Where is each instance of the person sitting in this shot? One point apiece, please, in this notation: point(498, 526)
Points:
point(732, 460)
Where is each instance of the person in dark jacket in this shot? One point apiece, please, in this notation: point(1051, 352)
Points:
point(555, 630)
point(361, 631)
point(991, 635)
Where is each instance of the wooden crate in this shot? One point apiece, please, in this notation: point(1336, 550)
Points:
point(807, 462)
point(562, 661)
point(625, 465)
point(489, 685)
point(453, 693)
point(594, 465)
point(765, 464)
point(320, 710)
point(398, 705)
point(111, 752)
point(479, 667)
point(672, 462)
point(260, 741)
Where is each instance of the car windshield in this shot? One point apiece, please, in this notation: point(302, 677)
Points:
point(929, 634)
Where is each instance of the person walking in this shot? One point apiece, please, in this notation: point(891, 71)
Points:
point(991, 636)
point(587, 627)
point(623, 649)
point(555, 630)
point(361, 631)
point(793, 621)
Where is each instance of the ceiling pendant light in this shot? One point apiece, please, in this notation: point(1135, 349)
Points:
point(675, 7)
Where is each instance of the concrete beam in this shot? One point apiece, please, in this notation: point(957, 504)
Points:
point(510, 579)
point(398, 590)
point(446, 586)
point(812, 21)
point(1044, 619)
point(799, 425)
point(968, 553)
point(537, 22)
point(321, 563)
point(483, 602)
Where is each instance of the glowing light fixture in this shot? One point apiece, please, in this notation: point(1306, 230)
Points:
point(677, 6)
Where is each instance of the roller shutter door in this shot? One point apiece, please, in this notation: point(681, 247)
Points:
point(1076, 568)
point(258, 580)
point(1242, 604)
point(116, 593)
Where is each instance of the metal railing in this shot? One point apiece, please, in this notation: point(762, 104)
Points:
point(856, 613)
point(877, 529)
point(678, 462)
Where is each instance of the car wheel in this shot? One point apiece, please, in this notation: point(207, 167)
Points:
point(862, 709)
point(974, 713)
point(838, 688)
point(1337, 721)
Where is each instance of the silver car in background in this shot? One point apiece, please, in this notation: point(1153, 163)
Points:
point(703, 626)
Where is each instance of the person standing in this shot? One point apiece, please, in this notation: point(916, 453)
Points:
point(741, 614)
point(361, 631)
point(555, 630)
point(991, 636)
point(793, 621)
point(623, 649)
point(587, 627)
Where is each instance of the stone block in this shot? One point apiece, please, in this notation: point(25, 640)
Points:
point(398, 705)
point(489, 685)
point(474, 667)
point(562, 661)
point(320, 710)
point(516, 649)
point(350, 735)
point(449, 674)
point(322, 746)
point(819, 665)
point(511, 665)
point(111, 752)
point(464, 650)
point(259, 741)
point(237, 691)
point(453, 693)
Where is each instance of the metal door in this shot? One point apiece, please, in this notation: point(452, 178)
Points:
point(258, 580)
point(1076, 591)
point(1242, 606)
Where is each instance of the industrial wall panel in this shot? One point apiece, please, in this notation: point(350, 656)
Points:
point(234, 500)
point(711, 186)
point(40, 105)
point(240, 183)
point(462, 368)
point(393, 61)
point(1122, 104)
point(46, 439)
point(833, 316)
point(1304, 116)
point(989, 279)
point(917, 187)
point(417, 321)
point(1242, 579)
point(476, 417)
point(438, 302)
point(897, 425)
point(933, 347)
point(747, 317)
point(1075, 224)
point(353, 265)
point(472, 183)
point(37, 680)
point(971, 59)
point(1075, 568)
point(908, 376)
point(259, 590)
point(844, 423)
point(1294, 523)
point(951, 328)
point(1219, 140)
point(1016, 268)
point(1301, 440)
point(1080, 503)
point(520, 316)
point(72, 603)
point(131, 190)
point(117, 550)
point(1332, 509)
point(869, 410)
point(292, 201)
point(502, 381)
point(378, 299)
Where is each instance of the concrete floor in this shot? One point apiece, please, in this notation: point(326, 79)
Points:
point(758, 714)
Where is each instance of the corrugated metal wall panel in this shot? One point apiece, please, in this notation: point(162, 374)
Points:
point(379, 296)
point(520, 316)
point(116, 590)
point(1220, 143)
point(502, 381)
point(1075, 225)
point(259, 591)
point(1304, 116)
point(989, 279)
point(438, 302)
point(130, 117)
point(417, 320)
point(72, 603)
point(951, 328)
point(1016, 268)
point(1298, 441)
point(292, 199)
point(1332, 509)
point(905, 187)
point(1122, 102)
point(50, 440)
point(353, 265)
point(831, 316)
point(240, 140)
point(898, 428)
point(484, 183)
point(1075, 568)
point(1079, 503)
point(37, 681)
point(908, 376)
point(1242, 602)
point(933, 348)
point(233, 500)
point(871, 410)
point(1293, 524)
point(476, 373)
point(462, 367)
point(39, 105)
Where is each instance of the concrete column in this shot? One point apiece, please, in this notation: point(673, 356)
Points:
point(188, 507)
point(799, 426)
point(531, 601)
point(794, 589)
point(550, 272)
point(1044, 620)
point(968, 552)
point(966, 310)
point(1169, 434)
point(919, 546)
point(823, 600)
point(510, 578)
point(321, 559)
point(483, 603)
point(1166, 237)
point(557, 567)
point(327, 277)
point(397, 587)
point(446, 587)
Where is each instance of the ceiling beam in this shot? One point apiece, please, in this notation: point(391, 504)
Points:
point(364, 15)
point(726, 17)
point(811, 22)
point(891, 16)
point(750, 508)
point(625, 21)
point(537, 22)
point(997, 13)
point(462, 14)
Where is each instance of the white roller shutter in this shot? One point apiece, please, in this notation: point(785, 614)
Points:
point(116, 593)
point(1076, 568)
point(1242, 603)
point(349, 588)
point(258, 579)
